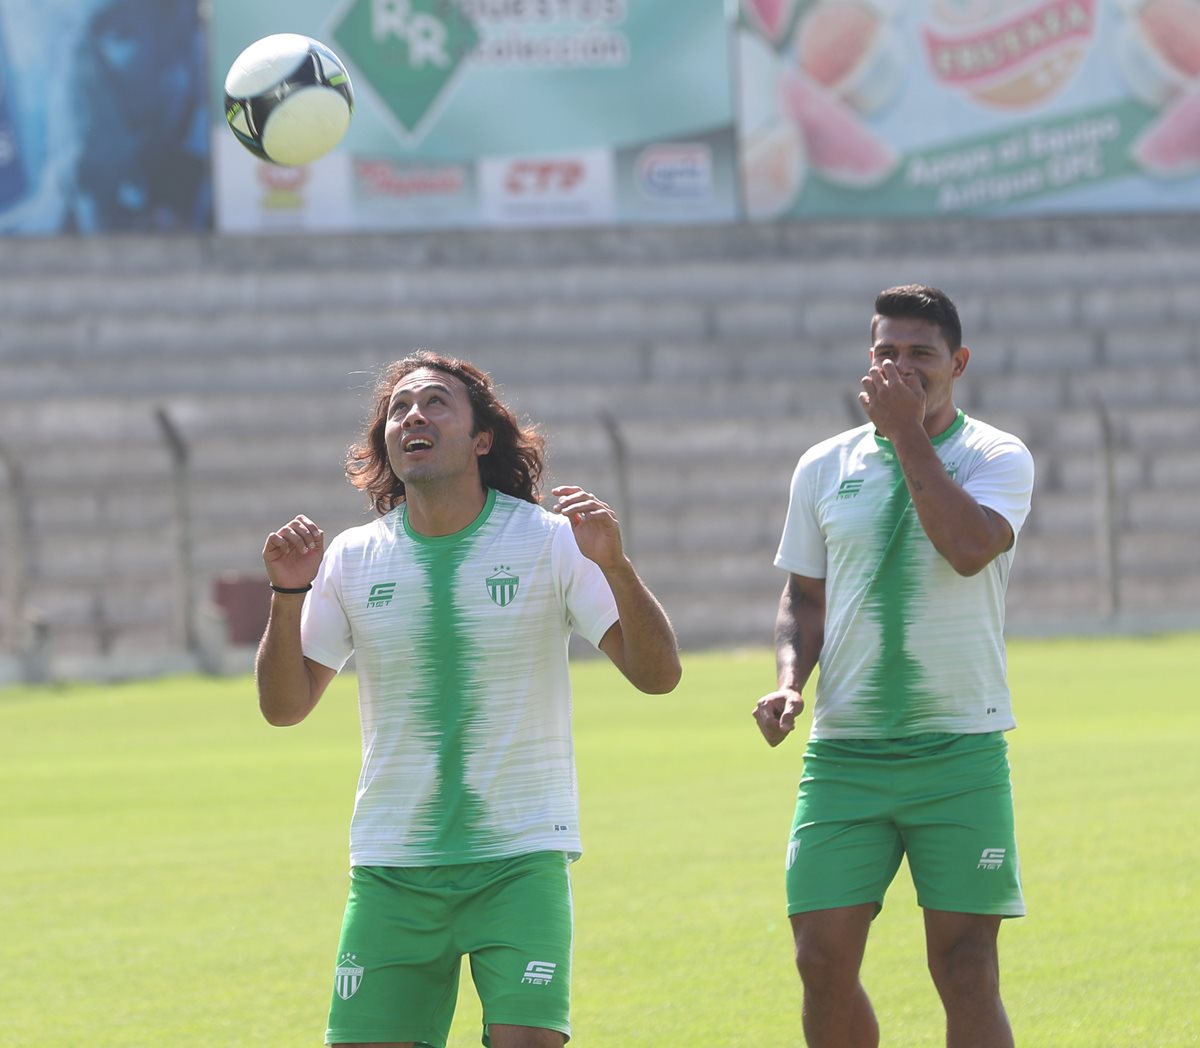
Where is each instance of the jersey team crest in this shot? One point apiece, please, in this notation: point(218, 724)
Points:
point(348, 976)
point(502, 587)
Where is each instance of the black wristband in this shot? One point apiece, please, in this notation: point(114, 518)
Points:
point(285, 589)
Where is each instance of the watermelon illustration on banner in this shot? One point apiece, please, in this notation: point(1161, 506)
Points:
point(1170, 147)
point(859, 108)
point(810, 73)
point(770, 17)
point(1159, 51)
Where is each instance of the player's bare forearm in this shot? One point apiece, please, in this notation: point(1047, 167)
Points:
point(286, 689)
point(799, 635)
point(642, 643)
point(799, 631)
point(288, 684)
point(969, 536)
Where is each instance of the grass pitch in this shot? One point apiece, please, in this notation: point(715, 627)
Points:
point(173, 870)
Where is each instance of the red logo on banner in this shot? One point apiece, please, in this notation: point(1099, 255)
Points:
point(1017, 61)
point(385, 179)
point(283, 187)
point(543, 177)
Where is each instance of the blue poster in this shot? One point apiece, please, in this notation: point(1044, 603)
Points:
point(103, 117)
point(12, 169)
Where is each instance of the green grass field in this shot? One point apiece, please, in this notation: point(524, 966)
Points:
point(173, 870)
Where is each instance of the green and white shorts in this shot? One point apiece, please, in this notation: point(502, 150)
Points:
point(944, 801)
point(407, 929)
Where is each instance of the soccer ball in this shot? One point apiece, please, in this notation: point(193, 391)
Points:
point(288, 99)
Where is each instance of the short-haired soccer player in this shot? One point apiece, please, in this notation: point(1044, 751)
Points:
point(898, 542)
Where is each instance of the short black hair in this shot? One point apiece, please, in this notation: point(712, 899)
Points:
point(927, 303)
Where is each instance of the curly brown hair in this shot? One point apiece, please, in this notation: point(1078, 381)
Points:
point(513, 466)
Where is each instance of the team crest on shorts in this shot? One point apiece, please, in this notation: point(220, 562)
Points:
point(348, 976)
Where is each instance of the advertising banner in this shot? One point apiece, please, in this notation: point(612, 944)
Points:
point(104, 117)
point(498, 113)
point(873, 108)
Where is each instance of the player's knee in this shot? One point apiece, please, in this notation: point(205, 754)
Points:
point(825, 967)
point(967, 968)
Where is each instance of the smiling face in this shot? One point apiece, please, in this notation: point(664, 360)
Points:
point(430, 430)
point(920, 351)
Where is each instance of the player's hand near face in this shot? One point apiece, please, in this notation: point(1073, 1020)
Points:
point(594, 524)
point(776, 713)
point(293, 554)
point(891, 400)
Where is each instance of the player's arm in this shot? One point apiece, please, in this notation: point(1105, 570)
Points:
point(289, 685)
point(799, 636)
point(968, 535)
point(641, 643)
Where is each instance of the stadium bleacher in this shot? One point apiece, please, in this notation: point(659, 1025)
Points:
point(677, 372)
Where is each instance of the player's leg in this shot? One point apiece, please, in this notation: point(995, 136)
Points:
point(842, 855)
point(503, 1036)
point(959, 833)
point(397, 972)
point(517, 929)
point(829, 950)
point(965, 965)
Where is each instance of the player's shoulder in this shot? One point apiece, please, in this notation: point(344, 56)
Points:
point(833, 448)
point(524, 512)
point(988, 438)
point(363, 536)
point(524, 522)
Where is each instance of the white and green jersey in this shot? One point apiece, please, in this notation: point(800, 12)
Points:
point(910, 645)
point(460, 646)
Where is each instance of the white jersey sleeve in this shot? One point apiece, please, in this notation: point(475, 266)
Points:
point(591, 608)
point(1000, 477)
point(802, 547)
point(324, 626)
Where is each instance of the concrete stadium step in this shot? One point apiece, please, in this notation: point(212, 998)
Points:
point(718, 354)
point(1103, 250)
point(1061, 513)
point(1032, 598)
point(385, 325)
point(1169, 385)
point(1151, 551)
point(1156, 430)
point(654, 307)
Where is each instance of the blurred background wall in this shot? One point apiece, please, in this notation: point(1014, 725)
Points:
point(661, 227)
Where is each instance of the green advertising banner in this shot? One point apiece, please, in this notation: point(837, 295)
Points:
point(497, 112)
point(875, 108)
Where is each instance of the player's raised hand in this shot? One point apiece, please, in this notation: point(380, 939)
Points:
point(594, 524)
point(776, 713)
point(293, 554)
point(890, 399)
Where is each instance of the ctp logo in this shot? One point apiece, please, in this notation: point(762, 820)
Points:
point(408, 51)
point(552, 189)
point(543, 177)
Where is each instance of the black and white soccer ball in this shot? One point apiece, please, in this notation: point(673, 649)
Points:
point(288, 99)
